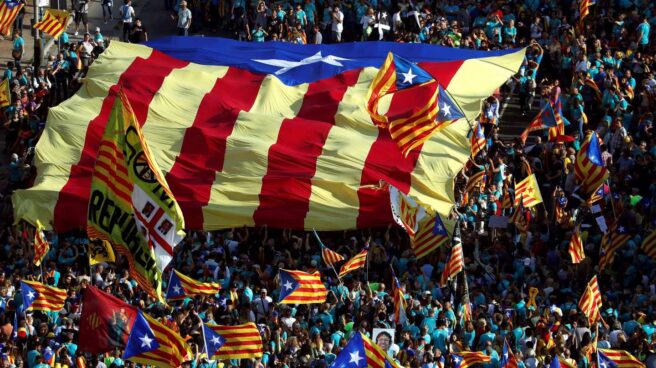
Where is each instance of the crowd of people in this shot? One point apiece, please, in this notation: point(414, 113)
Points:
point(613, 46)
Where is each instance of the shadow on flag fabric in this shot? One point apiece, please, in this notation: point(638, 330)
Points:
point(298, 287)
point(518, 217)
point(181, 286)
point(616, 236)
point(648, 244)
point(241, 342)
point(361, 352)
point(152, 343)
point(589, 168)
point(421, 107)
point(8, 12)
point(329, 256)
point(400, 303)
point(529, 191)
point(608, 358)
point(478, 141)
point(213, 341)
point(105, 322)
point(41, 245)
point(590, 302)
point(466, 359)
point(40, 297)
point(547, 118)
point(130, 204)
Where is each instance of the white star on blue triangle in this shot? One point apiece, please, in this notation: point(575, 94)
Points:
point(353, 354)
point(457, 359)
point(439, 228)
point(29, 295)
point(409, 74)
point(605, 362)
point(449, 110)
point(142, 338)
point(288, 285)
point(213, 341)
point(175, 289)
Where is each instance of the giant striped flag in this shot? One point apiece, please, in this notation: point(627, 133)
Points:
point(53, 23)
point(477, 140)
point(589, 168)
point(466, 359)
point(649, 244)
point(361, 352)
point(41, 245)
point(152, 343)
point(617, 359)
point(40, 297)
point(181, 286)
point(355, 263)
point(127, 187)
point(454, 265)
point(264, 129)
point(616, 236)
point(9, 10)
point(529, 191)
point(241, 341)
point(590, 302)
point(298, 287)
point(576, 246)
point(426, 106)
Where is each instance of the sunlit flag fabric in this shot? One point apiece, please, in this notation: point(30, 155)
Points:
point(508, 359)
point(478, 141)
point(361, 352)
point(529, 191)
point(355, 263)
point(130, 204)
point(557, 362)
point(476, 181)
point(40, 297)
point(245, 131)
point(590, 302)
point(329, 256)
point(152, 343)
point(617, 235)
point(298, 287)
point(589, 168)
point(213, 341)
point(454, 265)
point(576, 251)
point(584, 10)
point(41, 245)
point(405, 211)
point(548, 117)
point(617, 359)
point(100, 251)
point(5, 93)
point(431, 234)
point(466, 359)
point(649, 244)
point(53, 23)
point(181, 286)
point(8, 12)
point(241, 341)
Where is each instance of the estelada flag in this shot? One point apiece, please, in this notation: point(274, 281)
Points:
point(298, 287)
point(241, 341)
point(105, 322)
point(589, 167)
point(53, 23)
point(41, 245)
point(529, 191)
point(5, 93)
point(264, 129)
point(131, 205)
point(181, 286)
point(9, 10)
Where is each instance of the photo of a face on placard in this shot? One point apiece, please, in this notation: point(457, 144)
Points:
point(383, 337)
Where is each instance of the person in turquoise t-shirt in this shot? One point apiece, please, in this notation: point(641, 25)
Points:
point(643, 33)
point(259, 34)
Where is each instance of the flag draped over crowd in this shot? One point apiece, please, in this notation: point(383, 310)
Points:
point(264, 129)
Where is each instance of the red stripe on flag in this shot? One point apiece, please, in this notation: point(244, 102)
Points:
point(140, 81)
point(300, 142)
point(203, 150)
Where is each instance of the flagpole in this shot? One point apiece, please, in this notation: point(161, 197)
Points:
point(367, 260)
point(331, 265)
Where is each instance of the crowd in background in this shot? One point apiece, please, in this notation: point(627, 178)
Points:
point(613, 46)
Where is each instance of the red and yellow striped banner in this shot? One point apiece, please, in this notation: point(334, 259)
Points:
point(53, 23)
point(8, 12)
point(47, 299)
point(354, 263)
point(576, 247)
point(242, 342)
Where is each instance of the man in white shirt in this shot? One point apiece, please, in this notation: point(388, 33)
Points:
point(337, 24)
point(184, 19)
point(261, 305)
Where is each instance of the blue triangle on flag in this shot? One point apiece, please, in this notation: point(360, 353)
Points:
point(175, 288)
point(439, 228)
point(29, 295)
point(142, 338)
point(594, 150)
point(353, 354)
point(213, 341)
point(409, 74)
point(288, 284)
point(448, 108)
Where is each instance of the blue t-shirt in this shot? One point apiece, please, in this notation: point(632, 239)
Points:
point(18, 43)
point(644, 29)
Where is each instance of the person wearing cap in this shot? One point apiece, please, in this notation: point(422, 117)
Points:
point(184, 19)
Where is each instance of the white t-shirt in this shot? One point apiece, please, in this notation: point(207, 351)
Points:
point(338, 26)
point(318, 38)
point(184, 16)
point(127, 12)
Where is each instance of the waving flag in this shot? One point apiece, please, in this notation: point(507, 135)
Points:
point(617, 359)
point(53, 23)
point(152, 343)
point(590, 83)
point(589, 168)
point(518, 217)
point(476, 181)
point(105, 322)
point(264, 129)
point(182, 286)
point(508, 359)
point(41, 245)
point(454, 265)
point(507, 202)
point(241, 342)
point(431, 235)
point(590, 302)
point(649, 244)
point(599, 194)
point(613, 240)
point(405, 211)
point(477, 140)
point(40, 297)
point(213, 341)
point(354, 263)
point(5, 93)
point(558, 362)
point(561, 213)
point(399, 303)
point(298, 287)
point(584, 10)
point(131, 205)
point(100, 251)
point(576, 247)
point(548, 117)
point(9, 10)
point(361, 352)
point(466, 359)
point(529, 191)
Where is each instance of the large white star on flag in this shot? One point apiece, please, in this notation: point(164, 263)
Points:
point(287, 65)
point(355, 358)
point(146, 341)
point(603, 364)
point(446, 109)
point(215, 340)
point(408, 77)
point(288, 285)
point(177, 289)
point(31, 295)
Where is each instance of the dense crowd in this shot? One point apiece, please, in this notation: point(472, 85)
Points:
point(613, 47)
